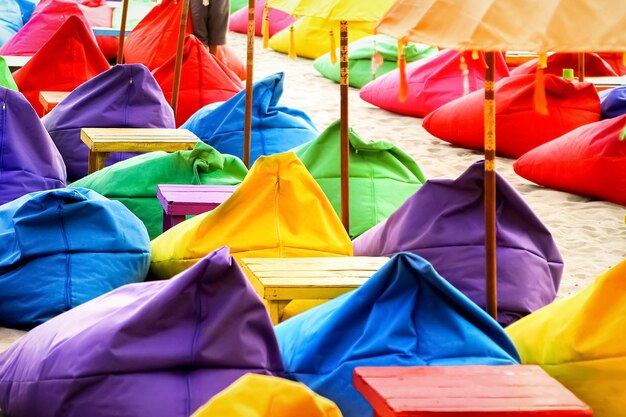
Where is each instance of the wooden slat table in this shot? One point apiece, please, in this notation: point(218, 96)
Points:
point(101, 141)
point(103, 31)
point(604, 83)
point(466, 391)
point(281, 280)
point(15, 62)
point(50, 99)
point(516, 58)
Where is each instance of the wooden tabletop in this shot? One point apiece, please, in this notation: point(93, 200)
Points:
point(15, 62)
point(604, 83)
point(49, 99)
point(192, 199)
point(138, 139)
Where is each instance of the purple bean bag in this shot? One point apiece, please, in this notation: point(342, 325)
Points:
point(444, 223)
point(124, 96)
point(160, 348)
point(29, 161)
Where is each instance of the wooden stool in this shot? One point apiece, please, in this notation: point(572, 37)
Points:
point(281, 280)
point(101, 141)
point(50, 99)
point(15, 62)
point(466, 391)
point(181, 200)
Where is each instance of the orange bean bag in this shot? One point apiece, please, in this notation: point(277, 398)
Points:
point(590, 160)
point(595, 66)
point(519, 128)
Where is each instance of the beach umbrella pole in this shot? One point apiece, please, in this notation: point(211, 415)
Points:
point(247, 126)
point(120, 48)
point(345, 141)
point(581, 67)
point(490, 187)
point(178, 65)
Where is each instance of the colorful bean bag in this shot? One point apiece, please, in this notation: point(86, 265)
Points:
point(124, 96)
point(204, 80)
point(30, 161)
point(265, 396)
point(312, 38)
point(382, 176)
point(27, 7)
point(10, 20)
point(612, 102)
point(406, 314)
point(444, 223)
point(100, 14)
point(595, 66)
point(231, 60)
point(590, 161)
point(360, 59)
point(68, 59)
point(432, 82)
point(61, 248)
point(237, 4)
point(278, 211)
point(278, 20)
point(148, 349)
point(134, 181)
point(6, 79)
point(580, 342)
point(275, 128)
point(519, 127)
point(615, 60)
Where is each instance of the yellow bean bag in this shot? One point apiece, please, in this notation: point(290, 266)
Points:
point(580, 341)
point(312, 37)
point(255, 395)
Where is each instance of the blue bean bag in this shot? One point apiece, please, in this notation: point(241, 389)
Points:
point(10, 20)
point(612, 102)
point(61, 248)
point(275, 128)
point(27, 7)
point(406, 314)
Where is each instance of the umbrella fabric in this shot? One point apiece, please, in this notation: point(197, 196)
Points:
point(429, 224)
point(311, 36)
point(613, 102)
point(579, 341)
point(278, 211)
point(519, 127)
point(10, 20)
point(406, 314)
point(134, 181)
point(204, 79)
point(595, 66)
point(432, 82)
point(6, 79)
point(148, 349)
point(61, 248)
point(123, 96)
point(360, 55)
point(590, 161)
point(278, 20)
point(382, 176)
point(266, 396)
point(275, 128)
point(30, 161)
point(68, 59)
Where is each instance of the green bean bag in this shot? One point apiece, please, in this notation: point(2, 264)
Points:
point(360, 55)
point(134, 181)
point(382, 176)
point(6, 79)
point(237, 4)
point(137, 10)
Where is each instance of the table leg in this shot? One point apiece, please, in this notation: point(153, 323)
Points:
point(275, 308)
point(170, 220)
point(96, 161)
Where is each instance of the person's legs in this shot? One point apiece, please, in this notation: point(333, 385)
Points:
point(219, 14)
point(200, 20)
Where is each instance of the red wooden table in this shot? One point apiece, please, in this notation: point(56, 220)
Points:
point(468, 391)
point(179, 201)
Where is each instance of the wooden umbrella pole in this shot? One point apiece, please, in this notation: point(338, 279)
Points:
point(120, 48)
point(490, 187)
point(581, 67)
point(247, 126)
point(178, 66)
point(345, 140)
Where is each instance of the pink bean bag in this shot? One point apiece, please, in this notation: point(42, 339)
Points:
point(278, 19)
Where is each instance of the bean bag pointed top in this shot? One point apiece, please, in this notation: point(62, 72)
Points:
point(432, 82)
point(68, 59)
point(519, 127)
point(612, 102)
point(579, 341)
point(124, 96)
point(204, 80)
point(382, 176)
point(134, 181)
point(231, 60)
point(595, 66)
point(47, 19)
point(428, 224)
point(278, 211)
point(10, 20)
point(590, 161)
point(61, 248)
point(30, 161)
point(406, 314)
point(360, 54)
point(275, 128)
point(312, 38)
point(6, 79)
point(157, 348)
point(278, 20)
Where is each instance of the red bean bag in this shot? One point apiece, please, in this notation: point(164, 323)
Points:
point(433, 82)
point(519, 128)
point(278, 20)
point(100, 14)
point(204, 80)
point(595, 66)
point(67, 60)
point(615, 60)
point(590, 160)
point(231, 60)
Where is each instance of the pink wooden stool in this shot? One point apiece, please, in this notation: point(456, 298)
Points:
point(179, 201)
point(468, 391)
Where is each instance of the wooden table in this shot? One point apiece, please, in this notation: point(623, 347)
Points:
point(516, 58)
point(178, 201)
point(50, 99)
point(102, 141)
point(103, 31)
point(466, 391)
point(604, 83)
point(281, 280)
point(15, 62)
